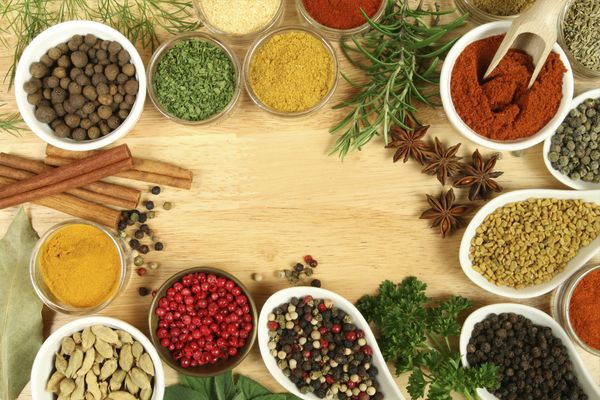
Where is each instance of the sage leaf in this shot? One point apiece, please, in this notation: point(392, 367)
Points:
point(20, 308)
point(204, 387)
point(271, 397)
point(180, 392)
point(225, 387)
point(251, 388)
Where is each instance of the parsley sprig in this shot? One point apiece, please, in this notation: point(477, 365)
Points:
point(416, 337)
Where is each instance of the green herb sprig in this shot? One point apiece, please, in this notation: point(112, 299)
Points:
point(139, 20)
point(222, 387)
point(416, 338)
point(11, 123)
point(400, 56)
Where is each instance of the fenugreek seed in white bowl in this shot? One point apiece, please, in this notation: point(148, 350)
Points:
point(515, 250)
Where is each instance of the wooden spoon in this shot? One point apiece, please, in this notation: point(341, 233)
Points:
point(535, 32)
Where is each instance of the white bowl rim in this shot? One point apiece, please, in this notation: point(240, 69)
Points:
point(584, 255)
point(565, 180)
point(339, 301)
point(484, 31)
point(22, 75)
point(38, 382)
point(538, 317)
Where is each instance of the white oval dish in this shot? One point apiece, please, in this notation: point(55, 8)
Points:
point(584, 255)
point(388, 386)
point(539, 318)
point(61, 33)
point(482, 32)
point(43, 364)
point(565, 180)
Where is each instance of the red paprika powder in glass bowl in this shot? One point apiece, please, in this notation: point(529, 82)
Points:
point(338, 18)
point(500, 112)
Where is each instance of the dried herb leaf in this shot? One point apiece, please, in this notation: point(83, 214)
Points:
point(20, 308)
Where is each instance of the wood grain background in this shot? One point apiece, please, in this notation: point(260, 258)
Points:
point(266, 193)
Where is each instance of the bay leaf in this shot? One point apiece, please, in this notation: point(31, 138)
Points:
point(20, 308)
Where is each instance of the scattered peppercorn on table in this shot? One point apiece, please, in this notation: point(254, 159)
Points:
point(266, 193)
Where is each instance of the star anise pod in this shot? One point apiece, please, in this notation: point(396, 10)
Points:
point(409, 143)
point(443, 162)
point(445, 213)
point(479, 177)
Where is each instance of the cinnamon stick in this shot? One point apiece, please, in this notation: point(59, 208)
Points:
point(130, 195)
point(139, 164)
point(98, 198)
point(132, 174)
point(79, 173)
point(76, 207)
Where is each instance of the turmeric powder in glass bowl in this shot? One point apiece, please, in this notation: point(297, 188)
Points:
point(78, 267)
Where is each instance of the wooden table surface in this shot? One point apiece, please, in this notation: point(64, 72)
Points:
point(266, 193)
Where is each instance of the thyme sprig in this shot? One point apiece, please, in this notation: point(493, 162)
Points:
point(11, 123)
point(139, 20)
point(400, 56)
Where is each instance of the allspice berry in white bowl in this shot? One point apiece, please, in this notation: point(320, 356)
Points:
point(80, 85)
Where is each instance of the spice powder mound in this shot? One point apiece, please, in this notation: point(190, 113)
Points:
point(584, 309)
point(239, 17)
point(341, 14)
point(502, 107)
point(80, 265)
point(291, 72)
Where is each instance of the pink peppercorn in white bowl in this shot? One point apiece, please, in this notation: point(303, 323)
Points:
point(184, 318)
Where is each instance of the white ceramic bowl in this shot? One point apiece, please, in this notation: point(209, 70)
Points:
point(584, 255)
point(564, 179)
point(539, 318)
point(43, 364)
point(388, 386)
point(61, 33)
point(482, 32)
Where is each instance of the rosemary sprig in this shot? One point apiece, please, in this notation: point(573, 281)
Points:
point(11, 123)
point(400, 56)
point(139, 20)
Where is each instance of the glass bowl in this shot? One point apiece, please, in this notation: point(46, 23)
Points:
point(42, 289)
point(561, 299)
point(334, 33)
point(580, 70)
point(164, 48)
point(206, 370)
point(260, 41)
point(237, 38)
point(479, 16)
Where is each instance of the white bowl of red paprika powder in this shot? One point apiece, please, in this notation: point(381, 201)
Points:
point(500, 112)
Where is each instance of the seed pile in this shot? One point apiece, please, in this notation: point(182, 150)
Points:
point(291, 72)
point(581, 33)
point(575, 149)
point(195, 80)
point(239, 17)
point(320, 349)
point(102, 363)
point(503, 7)
point(533, 363)
point(300, 272)
point(530, 242)
point(204, 319)
point(84, 88)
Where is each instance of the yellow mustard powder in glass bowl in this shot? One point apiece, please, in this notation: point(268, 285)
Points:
point(291, 71)
point(80, 265)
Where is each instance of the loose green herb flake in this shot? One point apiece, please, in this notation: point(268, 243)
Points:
point(195, 80)
point(416, 338)
point(400, 57)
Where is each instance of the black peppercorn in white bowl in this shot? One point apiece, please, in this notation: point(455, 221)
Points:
point(35, 54)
